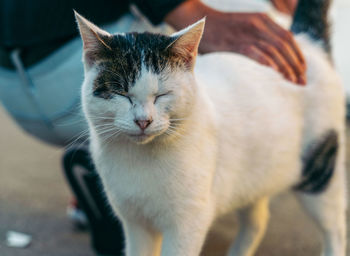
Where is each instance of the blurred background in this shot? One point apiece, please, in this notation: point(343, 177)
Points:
point(34, 193)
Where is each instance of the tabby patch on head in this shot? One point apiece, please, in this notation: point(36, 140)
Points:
point(138, 86)
point(120, 58)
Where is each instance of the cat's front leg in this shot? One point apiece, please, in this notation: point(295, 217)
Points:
point(186, 237)
point(140, 240)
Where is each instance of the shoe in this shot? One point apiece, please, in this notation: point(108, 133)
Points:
point(77, 215)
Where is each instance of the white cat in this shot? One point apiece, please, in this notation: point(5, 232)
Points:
point(178, 144)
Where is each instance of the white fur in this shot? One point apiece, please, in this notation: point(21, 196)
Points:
point(243, 133)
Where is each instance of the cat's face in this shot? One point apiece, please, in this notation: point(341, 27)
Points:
point(138, 86)
point(154, 104)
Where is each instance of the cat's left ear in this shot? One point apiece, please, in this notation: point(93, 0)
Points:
point(94, 38)
point(187, 41)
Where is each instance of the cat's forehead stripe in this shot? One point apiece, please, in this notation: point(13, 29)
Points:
point(120, 67)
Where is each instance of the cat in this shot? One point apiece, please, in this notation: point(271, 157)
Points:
point(179, 139)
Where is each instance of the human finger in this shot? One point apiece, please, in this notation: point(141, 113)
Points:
point(286, 51)
point(256, 54)
point(283, 66)
point(288, 37)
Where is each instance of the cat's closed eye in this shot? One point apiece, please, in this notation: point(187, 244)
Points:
point(106, 94)
point(160, 95)
point(124, 96)
point(102, 93)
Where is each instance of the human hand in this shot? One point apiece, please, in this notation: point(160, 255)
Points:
point(258, 37)
point(254, 35)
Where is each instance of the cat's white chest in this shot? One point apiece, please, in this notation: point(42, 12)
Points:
point(146, 187)
point(137, 191)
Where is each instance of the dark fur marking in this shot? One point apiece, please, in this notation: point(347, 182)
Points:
point(319, 164)
point(120, 66)
point(311, 17)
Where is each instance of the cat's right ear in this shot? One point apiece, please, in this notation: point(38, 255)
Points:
point(186, 42)
point(94, 38)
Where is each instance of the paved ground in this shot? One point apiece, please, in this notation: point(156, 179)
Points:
point(33, 197)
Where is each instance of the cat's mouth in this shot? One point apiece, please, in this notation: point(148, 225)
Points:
point(141, 138)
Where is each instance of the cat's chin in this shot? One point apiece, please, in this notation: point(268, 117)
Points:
point(141, 139)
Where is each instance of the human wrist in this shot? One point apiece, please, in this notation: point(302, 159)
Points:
point(188, 13)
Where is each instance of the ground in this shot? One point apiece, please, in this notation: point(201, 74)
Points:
point(34, 196)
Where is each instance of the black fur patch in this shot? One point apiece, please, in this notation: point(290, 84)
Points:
point(311, 17)
point(120, 66)
point(318, 164)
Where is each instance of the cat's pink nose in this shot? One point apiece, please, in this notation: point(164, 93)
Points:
point(143, 124)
